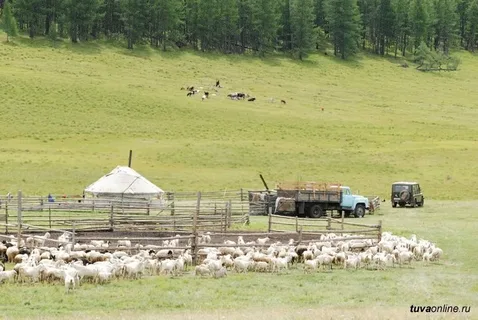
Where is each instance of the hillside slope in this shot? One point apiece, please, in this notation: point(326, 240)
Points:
point(70, 114)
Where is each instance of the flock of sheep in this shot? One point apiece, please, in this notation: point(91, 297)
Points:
point(72, 264)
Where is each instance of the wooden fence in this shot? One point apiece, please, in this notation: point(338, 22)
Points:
point(322, 226)
point(110, 215)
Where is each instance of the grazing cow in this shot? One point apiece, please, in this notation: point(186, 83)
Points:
point(241, 95)
point(206, 94)
point(233, 96)
point(283, 101)
point(203, 97)
point(251, 99)
point(190, 93)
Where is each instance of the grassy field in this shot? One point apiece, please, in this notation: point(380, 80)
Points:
point(70, 113)
point(338, 294)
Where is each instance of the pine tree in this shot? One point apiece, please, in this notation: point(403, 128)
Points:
point(264, 19)
point(133, 15)
point(81, 16)
point(31, 13)
point(9, 22)
point(402, 23)
point(286, 26)
point(344, 25)
point(420, 19)
point(462, 13)
point(445, 24)
point(386, 27)
point(303, 33)
point(472, 26)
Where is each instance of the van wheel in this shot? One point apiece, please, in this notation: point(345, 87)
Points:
point(359, 211)
point(316, 211)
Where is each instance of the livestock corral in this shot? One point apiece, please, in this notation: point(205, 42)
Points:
point(81, 258)
point(57, 258)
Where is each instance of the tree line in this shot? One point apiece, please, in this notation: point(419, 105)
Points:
point(396, 27)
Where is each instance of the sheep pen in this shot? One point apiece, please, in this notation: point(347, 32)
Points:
point(60, 259)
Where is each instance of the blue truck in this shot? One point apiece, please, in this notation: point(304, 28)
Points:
point(312, 199)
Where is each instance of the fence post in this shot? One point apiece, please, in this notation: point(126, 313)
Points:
point(242, 194)
point(296, 223)
point(19, 218)
point(172, 204)
point(343, 218)
point(73, 231)
point(215, 208)
point(49, 216)
point(41, 204)
point(112, 222)
point(329, 224)
point(379, 230)
point(270, 223)
point(300, 235)
point(195, 232)
point(148, 208)
point(223, 218)
point(229, 213)
point(6, 216)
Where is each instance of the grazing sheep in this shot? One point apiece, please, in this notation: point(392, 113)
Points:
point(263, 241)
point(221, 273)
point(251, 99)
point(202, 270)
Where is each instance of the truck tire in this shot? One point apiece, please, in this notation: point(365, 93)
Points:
point(420, 204)
point(359, 211)
point(316, 211)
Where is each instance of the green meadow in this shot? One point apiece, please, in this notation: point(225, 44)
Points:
point(70, 114)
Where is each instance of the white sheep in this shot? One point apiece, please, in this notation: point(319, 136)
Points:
point(202, 270)
point(220, 273)
point(7, 275)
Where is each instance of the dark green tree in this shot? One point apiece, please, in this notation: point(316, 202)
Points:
point(285, 35)
point(303, 33)
point(30, 13)
point(167, 15)
point(344, 26)
point(81, 16)
point(446, 20)
point(420, 21)
point(386, 27)
point(9, 24)
point(472, 26)
point(402, 23)
point(462, 8)
point(134, 17)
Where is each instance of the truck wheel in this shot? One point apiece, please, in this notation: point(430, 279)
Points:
point(316, 211)
point(420, 204)
point(394, 204)
point(359, 211)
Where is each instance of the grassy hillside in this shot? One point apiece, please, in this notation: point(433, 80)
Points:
point(70, 114)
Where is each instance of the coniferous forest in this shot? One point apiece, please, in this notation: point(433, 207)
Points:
point(393, 27)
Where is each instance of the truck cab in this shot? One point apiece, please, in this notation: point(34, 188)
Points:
point(353, 203)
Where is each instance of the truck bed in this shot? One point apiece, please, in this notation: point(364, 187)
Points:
point(325, 196)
